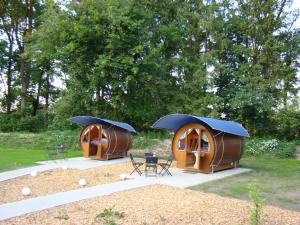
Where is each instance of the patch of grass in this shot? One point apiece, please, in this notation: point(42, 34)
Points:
point(62, 216)
point(278, 178)
point(108, 175)
point(24, 149)
point(108, 216)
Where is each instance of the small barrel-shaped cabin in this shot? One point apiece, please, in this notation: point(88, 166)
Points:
point(103, 139)
point(204, 144)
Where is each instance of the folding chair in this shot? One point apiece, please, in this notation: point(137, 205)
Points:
point(165, 166)
point(135, 165)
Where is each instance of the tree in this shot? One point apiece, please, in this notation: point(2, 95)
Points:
point(253, 61)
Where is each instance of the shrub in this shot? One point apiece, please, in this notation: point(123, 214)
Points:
point(286, 150)
point(288, 123)
point(256, 213)
point(9, 122)
point(279, 148)
point(269, 145)
point(13, 122)
point(108, 216)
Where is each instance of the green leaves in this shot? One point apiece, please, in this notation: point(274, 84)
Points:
point(138, 60)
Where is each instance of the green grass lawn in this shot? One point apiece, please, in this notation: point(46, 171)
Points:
point(279, 178)
point(279, 181)
point(24, 149)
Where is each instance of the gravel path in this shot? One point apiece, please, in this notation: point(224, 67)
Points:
point(58, 180)
point(158, 204)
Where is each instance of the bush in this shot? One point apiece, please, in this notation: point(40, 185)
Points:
point(286, 150)
point(13, 122)
point(279, 148)
point(288, 123)
point(9, 122)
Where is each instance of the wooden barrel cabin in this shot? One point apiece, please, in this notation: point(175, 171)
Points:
point(204, 144)
point(103, 139)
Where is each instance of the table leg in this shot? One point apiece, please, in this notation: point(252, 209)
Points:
point(197, 163)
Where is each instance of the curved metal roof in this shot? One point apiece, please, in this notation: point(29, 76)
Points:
point(175, 121)
point(87, 120)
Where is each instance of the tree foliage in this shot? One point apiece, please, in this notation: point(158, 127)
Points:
point(135, 61)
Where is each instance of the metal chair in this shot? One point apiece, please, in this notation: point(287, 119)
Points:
point(51, 152)
point(56, 151)
point(135, 165)
point(151, 162)
point(165, 166)
point(62, 150)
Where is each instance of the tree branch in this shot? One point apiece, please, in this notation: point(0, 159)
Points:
point(280, 10)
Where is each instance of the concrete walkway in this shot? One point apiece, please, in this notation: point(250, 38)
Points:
point(179, 179)
point(73, 163)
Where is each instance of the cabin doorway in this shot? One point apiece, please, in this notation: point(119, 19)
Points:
point(192, 146)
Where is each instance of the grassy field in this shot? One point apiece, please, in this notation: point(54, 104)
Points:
point(24, 149)
point(279, 178)
point(279, 181)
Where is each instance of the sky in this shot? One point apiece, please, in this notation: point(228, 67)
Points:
point(296, 5)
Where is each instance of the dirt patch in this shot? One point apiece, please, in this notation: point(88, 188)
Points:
point(158, 204)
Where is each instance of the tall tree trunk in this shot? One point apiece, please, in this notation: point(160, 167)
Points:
point(24, 85)
point(9, 76)
point(24, 66)
point(47, 94)
point(37, 100)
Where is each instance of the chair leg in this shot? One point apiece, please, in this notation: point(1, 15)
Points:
point(136, 168)
point(165, 170)
point(168, 172)
point(139, 171)
point(162, 170)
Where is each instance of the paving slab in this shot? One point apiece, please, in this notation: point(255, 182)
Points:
point(184, 179)
point(180, 179)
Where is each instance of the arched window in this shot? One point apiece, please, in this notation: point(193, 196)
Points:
point(85, 138)
point(181, 141)
point(204, 142)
